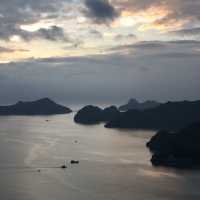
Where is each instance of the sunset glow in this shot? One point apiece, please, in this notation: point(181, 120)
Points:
point(45, 35)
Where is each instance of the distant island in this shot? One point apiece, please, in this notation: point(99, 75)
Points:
point(43, 106)
point(178, 149)
point(133, 104)
point(93, 115)
point(170, 115)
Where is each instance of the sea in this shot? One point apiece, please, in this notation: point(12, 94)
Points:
point(113, 164)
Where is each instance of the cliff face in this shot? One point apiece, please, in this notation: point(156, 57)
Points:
point(43, 106)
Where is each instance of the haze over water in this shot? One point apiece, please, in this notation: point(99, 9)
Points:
point(114, 164)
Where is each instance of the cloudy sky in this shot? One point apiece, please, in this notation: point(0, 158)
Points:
point(88, 51)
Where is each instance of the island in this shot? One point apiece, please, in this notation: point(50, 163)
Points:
point(43, 106)
point(170, 115)
point(179, 149)
point(133, 104)
point(93, 115)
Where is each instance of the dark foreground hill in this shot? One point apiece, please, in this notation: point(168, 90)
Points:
point(179, 149)
point(43, 106)
point(93, 115)
point(171, 115)
point(133, 104)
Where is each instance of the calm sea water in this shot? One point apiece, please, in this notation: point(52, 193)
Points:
point(114, 164)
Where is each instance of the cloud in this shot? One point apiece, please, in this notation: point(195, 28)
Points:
point(178, 13)
point(186, 42)
point(137, 5)
point(100, 11)
point(5, 50)
point(125, 37)
point(160, 70)
point(23, 12)
point(179, 55)
point(11, 50)
point(170, 14)
point(141, 46)
point(53, 33)
point(152, 46)
point(187, 32)
point(151, 71)
point(95, 33)
point(149, 45)
point(162, 53)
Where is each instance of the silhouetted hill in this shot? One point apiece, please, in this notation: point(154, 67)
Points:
point(133, 104)
point(93, 114)
point(177, 149)
point(171, 115)
point(43, 106)
point(88, 115)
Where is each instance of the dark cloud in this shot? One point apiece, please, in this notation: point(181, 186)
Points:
point(179, 55)
point(157, 46)
point(53, 33)
point(15, 13)
point(100, 11)
point(168, 72)
point(187, 32)
point(149, 45)
point(185, 42)
point(162, 70)
point(141, 46)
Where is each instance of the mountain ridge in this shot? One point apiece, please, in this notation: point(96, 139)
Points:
point(170, 115)
point(134, 104)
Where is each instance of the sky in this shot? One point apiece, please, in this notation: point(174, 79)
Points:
point(99, 51)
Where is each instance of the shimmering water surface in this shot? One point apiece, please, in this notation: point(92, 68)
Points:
point(114, 164)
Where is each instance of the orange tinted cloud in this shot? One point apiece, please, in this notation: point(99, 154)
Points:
point(144, 18)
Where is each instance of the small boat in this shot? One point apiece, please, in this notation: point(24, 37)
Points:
point(74, 162)
point(64, 166)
